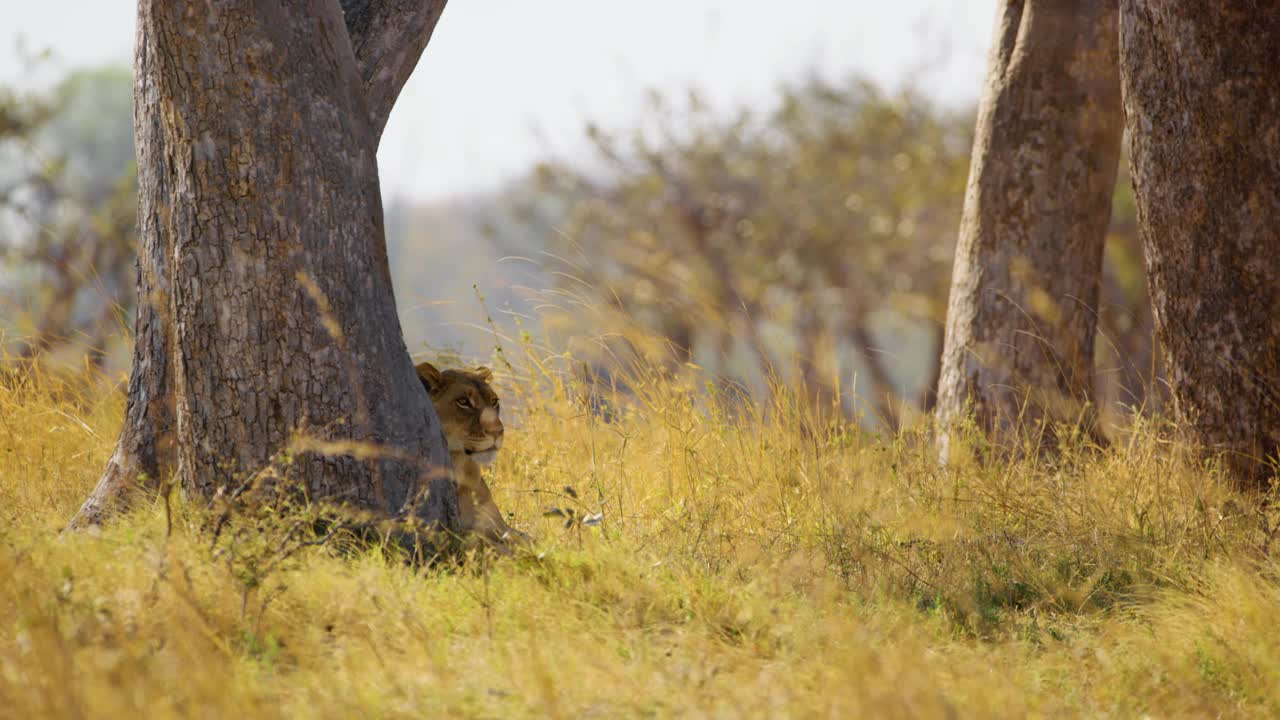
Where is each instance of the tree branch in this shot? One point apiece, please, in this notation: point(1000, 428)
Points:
point(388, 37)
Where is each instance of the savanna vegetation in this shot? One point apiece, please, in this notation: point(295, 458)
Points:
point(718, 341)
point(737, 559)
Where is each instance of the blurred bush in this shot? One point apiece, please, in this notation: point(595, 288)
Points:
point(68, 206)
point(811, 244)
point(807, 243)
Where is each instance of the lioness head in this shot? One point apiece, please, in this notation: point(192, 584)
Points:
point(468, 408)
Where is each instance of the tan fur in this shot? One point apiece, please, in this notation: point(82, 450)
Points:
point(469, 410)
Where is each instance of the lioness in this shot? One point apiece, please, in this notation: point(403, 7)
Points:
point(468, 409)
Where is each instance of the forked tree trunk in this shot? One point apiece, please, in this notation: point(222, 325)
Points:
point(265, 309)
point(1203, 107)
point(1024, 290)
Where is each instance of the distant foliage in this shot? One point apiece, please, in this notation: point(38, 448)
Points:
point(809, 243)
point(775, 243)
point(68, 206)
point(812, 243)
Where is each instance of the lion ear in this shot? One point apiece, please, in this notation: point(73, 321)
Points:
point(483, 373)
point(429, 375)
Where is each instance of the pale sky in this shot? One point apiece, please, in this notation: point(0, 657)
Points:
point(505, 82)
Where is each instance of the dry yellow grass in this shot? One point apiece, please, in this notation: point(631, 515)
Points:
point(748, 564)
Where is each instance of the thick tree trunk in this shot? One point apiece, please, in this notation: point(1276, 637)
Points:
point(264, 304)
point(145, 452)
point(1203, 109)
point(1022, 312)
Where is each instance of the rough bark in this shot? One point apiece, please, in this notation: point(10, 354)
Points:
point(1022, 313)
point(1203, 110)
point(388, 37)
point(144, 453)
point(256, 163)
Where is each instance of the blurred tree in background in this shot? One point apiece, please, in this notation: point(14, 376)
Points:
point(68, 206)
point(812, 244)
point(774, 244)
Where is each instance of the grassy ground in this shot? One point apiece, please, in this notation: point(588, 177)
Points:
point(748, 564)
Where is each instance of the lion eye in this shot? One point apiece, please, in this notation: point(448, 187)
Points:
point(464, 402)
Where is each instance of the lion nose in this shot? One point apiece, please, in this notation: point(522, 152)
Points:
point(490, 422)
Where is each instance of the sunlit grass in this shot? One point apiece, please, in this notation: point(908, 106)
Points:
point(752, 561)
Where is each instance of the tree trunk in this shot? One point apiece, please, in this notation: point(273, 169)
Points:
point(1203, 109)
point(1024, 290)
point(388, 37)
point(265, 310)
point(145, 452)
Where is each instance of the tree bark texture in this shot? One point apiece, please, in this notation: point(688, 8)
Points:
point(388, 37)
point(1024, 291)
point(145, 451)
point(265, 306)
point(1203, 110)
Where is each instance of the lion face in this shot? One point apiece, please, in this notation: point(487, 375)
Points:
point(468, 408)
